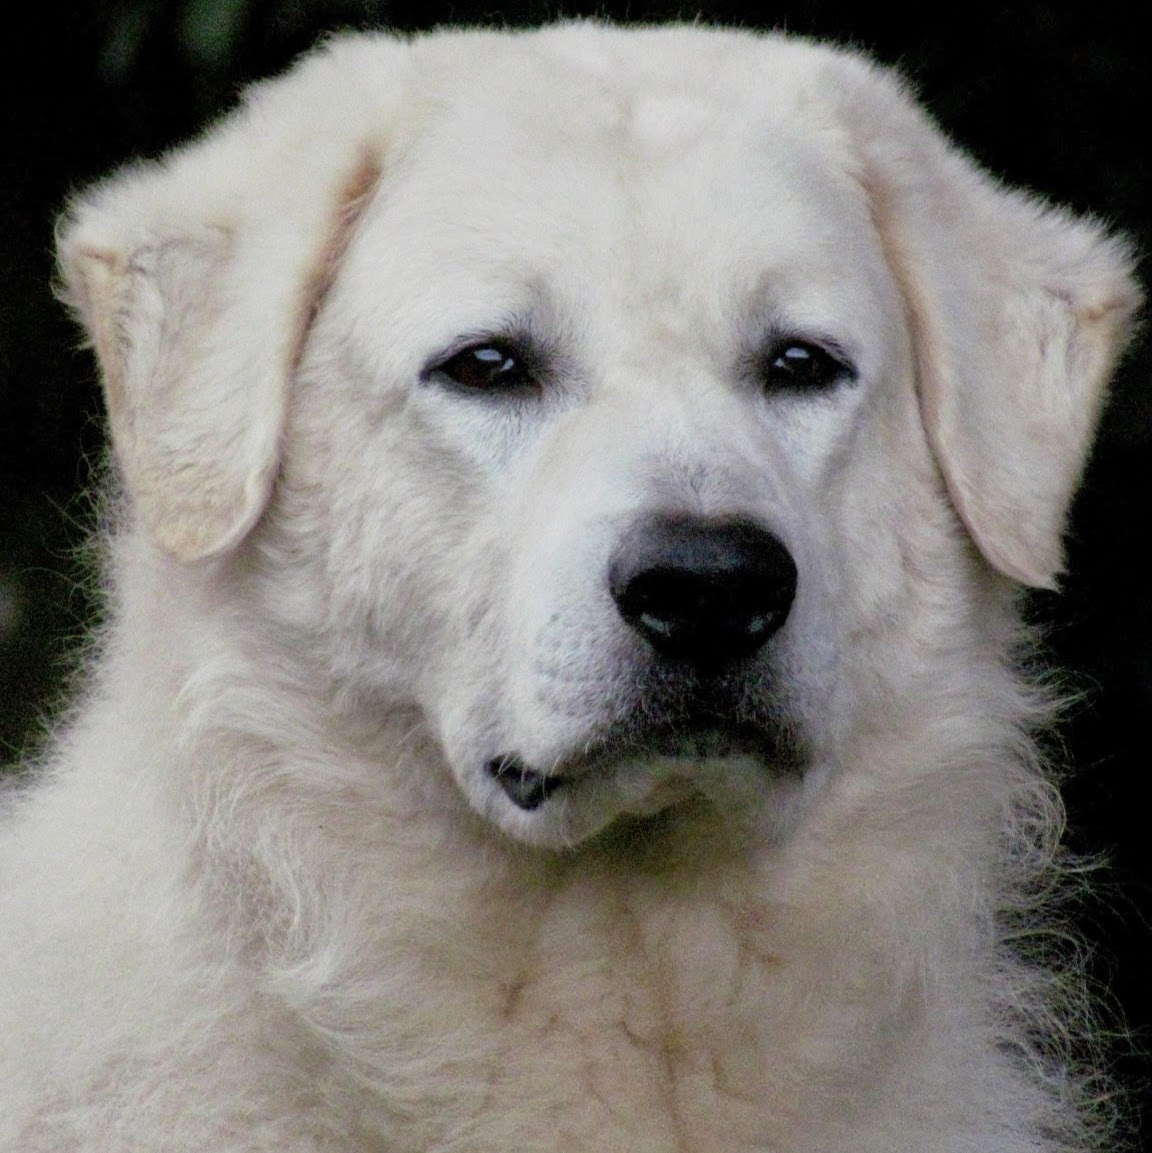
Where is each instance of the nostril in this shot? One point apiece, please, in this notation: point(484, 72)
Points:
point(706, 591)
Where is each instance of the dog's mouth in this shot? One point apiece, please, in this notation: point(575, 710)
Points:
point(526, 788)
point(680, 748)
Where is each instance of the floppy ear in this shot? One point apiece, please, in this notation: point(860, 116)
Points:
point(197, 279)
point(1018, 312)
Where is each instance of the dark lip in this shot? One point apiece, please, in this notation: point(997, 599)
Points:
point(774, 748)
point(526, 788)
point(697, 740)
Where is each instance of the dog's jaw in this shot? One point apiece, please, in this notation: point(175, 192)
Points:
point(757, 779)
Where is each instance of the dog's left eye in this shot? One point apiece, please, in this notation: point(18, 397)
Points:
point(806, 367)
point(487, 368)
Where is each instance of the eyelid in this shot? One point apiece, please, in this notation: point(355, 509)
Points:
point(825, 343)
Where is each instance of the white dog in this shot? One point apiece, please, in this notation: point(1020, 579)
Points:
point(562, 689)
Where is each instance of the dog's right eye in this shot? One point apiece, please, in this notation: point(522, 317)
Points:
point(493, 367)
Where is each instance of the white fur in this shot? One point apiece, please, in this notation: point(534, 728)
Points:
point(262, 894)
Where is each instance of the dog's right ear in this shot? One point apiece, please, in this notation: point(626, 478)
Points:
point(197, 279)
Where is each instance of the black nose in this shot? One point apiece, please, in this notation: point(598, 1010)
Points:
point(705, 591)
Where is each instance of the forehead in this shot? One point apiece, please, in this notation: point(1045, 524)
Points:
point(616, 177)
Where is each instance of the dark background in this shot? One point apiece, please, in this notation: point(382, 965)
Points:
point(1053, 99)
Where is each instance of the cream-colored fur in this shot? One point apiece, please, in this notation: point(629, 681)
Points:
point(265, 891)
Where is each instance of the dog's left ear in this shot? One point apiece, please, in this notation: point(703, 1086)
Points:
point(1018, 312)
point(197, 279)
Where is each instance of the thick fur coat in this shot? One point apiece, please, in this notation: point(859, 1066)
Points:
point(411, 805)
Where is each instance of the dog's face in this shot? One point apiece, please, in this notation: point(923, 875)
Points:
point(666, 361)
point(627, 442)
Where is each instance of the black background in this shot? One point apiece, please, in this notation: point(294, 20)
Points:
point(1054, 99)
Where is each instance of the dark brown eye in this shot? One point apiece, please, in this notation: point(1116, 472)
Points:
point(487, 368)
point(803, 367)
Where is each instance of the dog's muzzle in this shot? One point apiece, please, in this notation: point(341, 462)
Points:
point(704, 594)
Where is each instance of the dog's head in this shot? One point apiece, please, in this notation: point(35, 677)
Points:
point(628, 404)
